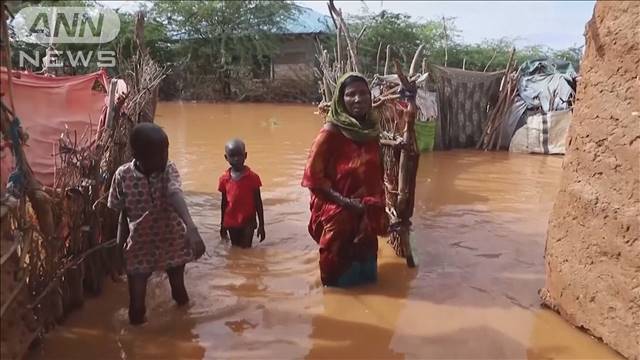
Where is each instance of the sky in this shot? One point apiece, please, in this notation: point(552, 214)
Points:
point(556, 24)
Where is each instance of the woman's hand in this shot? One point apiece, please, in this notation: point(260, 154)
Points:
point(354, 205)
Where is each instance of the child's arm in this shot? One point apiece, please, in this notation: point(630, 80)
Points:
point(260, 211)
point(123, 229)
point(223, 208)
point(175, 198)
point(179, 205)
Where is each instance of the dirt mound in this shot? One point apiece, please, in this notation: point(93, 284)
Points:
point(593, 251)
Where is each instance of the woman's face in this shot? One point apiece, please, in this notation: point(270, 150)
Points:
point(357, 99)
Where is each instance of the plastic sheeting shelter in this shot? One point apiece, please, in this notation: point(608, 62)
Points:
point(543, 134)
point(544, 86)
point(46, 106)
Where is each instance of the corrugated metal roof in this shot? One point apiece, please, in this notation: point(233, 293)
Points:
point(309, 21)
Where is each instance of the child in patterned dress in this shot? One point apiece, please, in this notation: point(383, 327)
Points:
point(162, 236)
point(241, 199)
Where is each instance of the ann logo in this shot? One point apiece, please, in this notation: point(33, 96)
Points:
point(66, 24)
point(74, 27)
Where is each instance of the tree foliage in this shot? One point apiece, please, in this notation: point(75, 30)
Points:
point(441, 40)
point(225, 40)
point(209, 45)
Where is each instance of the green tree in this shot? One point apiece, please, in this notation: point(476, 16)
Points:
point(223, 39)
point(572, 54)
point(404, 35)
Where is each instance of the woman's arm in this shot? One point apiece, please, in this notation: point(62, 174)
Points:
point(333, 196)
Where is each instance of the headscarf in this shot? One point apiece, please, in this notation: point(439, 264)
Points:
point(360, 132)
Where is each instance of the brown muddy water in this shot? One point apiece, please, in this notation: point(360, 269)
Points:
point(479, 230)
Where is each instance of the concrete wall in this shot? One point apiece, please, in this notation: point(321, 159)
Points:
point(593, 248)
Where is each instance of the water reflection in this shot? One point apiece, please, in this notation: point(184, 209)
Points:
point(361, 322)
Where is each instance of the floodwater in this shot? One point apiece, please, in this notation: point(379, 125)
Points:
point(479, 230)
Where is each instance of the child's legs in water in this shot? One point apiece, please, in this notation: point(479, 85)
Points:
point(242, 236)
point(137, 297)
point(176, 280)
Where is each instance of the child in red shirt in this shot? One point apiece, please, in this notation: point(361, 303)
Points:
point(241, 199)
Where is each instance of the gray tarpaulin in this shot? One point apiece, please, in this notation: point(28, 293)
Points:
point(550, 92)
point(509, 124)
point(543, 134)
point(545, 86)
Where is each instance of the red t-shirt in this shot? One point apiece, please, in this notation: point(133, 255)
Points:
point(241, 207)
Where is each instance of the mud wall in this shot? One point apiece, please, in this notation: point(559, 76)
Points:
point(592, 251)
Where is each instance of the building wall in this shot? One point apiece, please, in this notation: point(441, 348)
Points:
point(295, 59)
point(593, 250)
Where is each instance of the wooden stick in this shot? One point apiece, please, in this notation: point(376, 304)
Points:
point(6, 256)
point(332, 17)
point(392, 143)
point(407, 164)
point(12, 296)
point(412, 69)
point(53, 282)
point(339, 50)
point(490, 61)
point(446, 55)
point(488, 134)
point(386, 61)
point(364, 28)
point(338, 36)
point(347, 36)
point(385, 98)
point(112, 100)
point(378, 57)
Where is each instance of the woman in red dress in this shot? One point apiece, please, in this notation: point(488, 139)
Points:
point(345, 177)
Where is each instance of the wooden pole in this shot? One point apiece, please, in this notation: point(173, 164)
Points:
point(407, 172)
point(111, 104)
point(490, 61)
point(386, 61)
point(464, 63)
point(488, 135)
point(378, 57)
point(347, 35)
point(446, 55)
